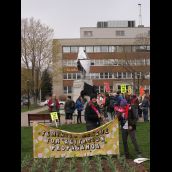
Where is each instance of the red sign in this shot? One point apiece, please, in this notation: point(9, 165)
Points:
point(142, 91)
point(107, 87)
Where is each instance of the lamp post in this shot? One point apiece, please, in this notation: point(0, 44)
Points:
point(28, 96)
point(138, 83)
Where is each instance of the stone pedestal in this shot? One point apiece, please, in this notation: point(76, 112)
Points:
point(78, 86)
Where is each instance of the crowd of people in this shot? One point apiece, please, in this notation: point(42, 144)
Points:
point(103, 107)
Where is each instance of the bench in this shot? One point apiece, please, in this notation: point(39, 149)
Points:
point(45, 118)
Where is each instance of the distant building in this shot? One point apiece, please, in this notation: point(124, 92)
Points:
point(119, 53)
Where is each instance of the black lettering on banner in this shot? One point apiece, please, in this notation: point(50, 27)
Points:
point(107, 131)
point(87, 147)
point(57, 141)
point(97, 146)
point(82, 147)
point(102, 138)
point(53, 148)
point(43, 133)
point(92, 146)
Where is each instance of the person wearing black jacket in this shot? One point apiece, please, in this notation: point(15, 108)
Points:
point(128, 127)
point(92, 113)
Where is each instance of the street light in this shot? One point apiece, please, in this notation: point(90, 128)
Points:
point(28, 96)
point(138, 75)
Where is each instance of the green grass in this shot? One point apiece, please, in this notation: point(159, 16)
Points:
point(31, 107)
point(142, 134)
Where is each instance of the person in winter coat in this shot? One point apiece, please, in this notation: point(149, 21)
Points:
point(69, 108)
point(92, 113)
point(79, 105)
point(54, 106)
point(128, 121)
point(145, 107)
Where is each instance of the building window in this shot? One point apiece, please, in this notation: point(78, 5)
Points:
point(110, 75)
point(129, 75)
point(127, 48)
point(74, 49)
point(69, 76)
point(101, 75)
point(124, 75)
point(97, 49)
point(112, 48)
point(74, 76)
point(119, 75)
point(115, 75)
point(67, 89)
point(120, 33)
point(66, 49)
point(88, 33)
point(89, 49)
point(65, 76)
point(120, 48)
point(104, 48)
point(106, 75)
point(78, 76)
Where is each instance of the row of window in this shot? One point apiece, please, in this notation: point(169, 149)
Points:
point(101, 89)
point(111, 62)
point(106, 75)
point(106, 48)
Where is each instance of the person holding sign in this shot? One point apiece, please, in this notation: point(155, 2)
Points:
point(54, 106)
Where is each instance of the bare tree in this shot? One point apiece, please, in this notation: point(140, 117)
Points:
point(36, 50)
point(143, 43)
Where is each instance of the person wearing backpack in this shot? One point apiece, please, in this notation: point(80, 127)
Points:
point(79, 105)
point(109, 104)
point(69, 108)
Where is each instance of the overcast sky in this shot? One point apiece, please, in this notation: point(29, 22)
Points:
point(67, 16)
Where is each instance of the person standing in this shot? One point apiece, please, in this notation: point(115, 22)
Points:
point(92, 113)
point(79, 106)
point(145, 107)
point(54, 106)
point(69, 108)
point(135, 104)
point(128, 121)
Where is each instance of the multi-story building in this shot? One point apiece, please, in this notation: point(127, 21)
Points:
point(119, 54)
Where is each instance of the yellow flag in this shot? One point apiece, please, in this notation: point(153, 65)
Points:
point(54, 116)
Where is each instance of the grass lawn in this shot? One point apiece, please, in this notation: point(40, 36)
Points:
point(31, 107)
point(142, 134)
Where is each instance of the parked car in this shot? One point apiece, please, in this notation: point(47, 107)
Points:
point(43, 103)
point(24, 102)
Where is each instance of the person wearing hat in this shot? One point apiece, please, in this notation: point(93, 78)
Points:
point(92, 113)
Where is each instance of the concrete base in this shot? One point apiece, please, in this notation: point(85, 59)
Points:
point(78, 86)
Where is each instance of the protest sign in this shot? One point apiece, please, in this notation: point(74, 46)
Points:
point(51, 142)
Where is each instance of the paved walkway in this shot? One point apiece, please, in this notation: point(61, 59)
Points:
point(24, 116)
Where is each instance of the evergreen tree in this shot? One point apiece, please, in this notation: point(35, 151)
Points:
point(46, 86)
